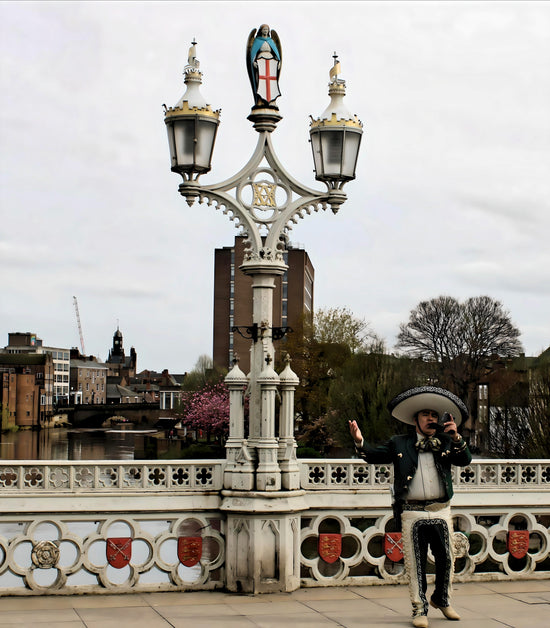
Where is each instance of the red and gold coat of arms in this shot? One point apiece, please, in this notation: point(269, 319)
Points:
point(119, 551)
point(518, 543)
point(330, 547)
point(393, 546)
point(189, 550)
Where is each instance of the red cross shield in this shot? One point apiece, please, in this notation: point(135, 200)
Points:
point(268, 87)
point(518, 543)
point(393, 546)
point(119, 551)
point(189, 550)
point(330, 547)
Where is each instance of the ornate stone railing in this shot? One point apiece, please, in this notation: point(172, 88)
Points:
point(158, 526)
point(482, 474)
point(208, 475)
point(30, 477)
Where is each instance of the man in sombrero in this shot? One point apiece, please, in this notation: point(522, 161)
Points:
point(423, 488)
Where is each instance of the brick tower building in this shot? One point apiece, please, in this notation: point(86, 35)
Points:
point(292, 300)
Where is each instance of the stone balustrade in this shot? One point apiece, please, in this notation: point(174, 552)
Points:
point(111, 526)
point(31, 477)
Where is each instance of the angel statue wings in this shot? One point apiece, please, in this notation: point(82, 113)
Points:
point(263, 61)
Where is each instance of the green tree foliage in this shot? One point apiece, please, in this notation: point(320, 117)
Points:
point(318, 349)
point(362, 389)
point(537, 444)
point(339, 326)
point(345, 373)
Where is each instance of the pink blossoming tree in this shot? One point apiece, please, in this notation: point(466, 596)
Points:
point(207, 410)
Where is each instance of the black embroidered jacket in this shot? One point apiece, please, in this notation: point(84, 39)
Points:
point(401, 452)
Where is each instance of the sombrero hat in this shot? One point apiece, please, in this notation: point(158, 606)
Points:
point(408, 403)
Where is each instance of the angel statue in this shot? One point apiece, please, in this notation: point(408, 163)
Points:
point(263, 61)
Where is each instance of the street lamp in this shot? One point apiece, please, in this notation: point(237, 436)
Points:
point(264, 201)
point(335, 140)
point(192, 127)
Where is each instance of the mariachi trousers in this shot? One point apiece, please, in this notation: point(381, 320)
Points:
point(423, 527)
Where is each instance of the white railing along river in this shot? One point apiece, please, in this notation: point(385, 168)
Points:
point(74, 527)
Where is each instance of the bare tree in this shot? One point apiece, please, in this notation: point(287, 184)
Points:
point(460, 340)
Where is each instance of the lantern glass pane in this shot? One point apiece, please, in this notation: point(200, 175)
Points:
point(316, 148)
point(206, 134)
point(332, 144)
point(171, 144)
point(351, 151)
point(184, 136)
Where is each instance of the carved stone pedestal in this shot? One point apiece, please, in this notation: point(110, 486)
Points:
point(263, 540)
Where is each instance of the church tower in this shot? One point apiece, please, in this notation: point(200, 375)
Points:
point(116, 354)
point(119, 364)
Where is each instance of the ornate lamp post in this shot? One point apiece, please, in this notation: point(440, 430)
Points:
point(264, 201)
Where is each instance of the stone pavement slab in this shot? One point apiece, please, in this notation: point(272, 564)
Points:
point(303, 620)
point(518, 604)
point(47, 624)
point(235, 621)
point(23, 617)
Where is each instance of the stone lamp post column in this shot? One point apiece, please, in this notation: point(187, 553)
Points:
point(290, 471)
point(239, 469)
point(262, 499)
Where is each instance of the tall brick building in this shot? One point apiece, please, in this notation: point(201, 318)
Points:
point(26, 384)
point(292, 299)
point(28, 342)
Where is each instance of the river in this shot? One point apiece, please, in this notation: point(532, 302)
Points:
point(75, 444)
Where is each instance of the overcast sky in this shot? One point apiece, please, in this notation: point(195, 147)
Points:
point(453, 180)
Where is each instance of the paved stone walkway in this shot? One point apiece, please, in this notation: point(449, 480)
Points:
point(521, 604)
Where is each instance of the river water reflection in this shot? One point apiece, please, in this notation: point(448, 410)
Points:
point(74, 444)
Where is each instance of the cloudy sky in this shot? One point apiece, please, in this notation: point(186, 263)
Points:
point(452, 191)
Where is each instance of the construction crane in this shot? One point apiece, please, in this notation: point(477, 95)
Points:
point(75, 303)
